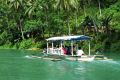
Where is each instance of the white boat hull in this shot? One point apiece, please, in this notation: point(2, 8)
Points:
point(82, 58)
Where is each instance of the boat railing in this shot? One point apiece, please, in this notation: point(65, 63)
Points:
point(54, 51)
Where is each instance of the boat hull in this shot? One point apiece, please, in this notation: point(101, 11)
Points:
point(80, 58)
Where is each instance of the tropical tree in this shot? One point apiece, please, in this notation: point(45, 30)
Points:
point(106, 24)
point(88, 26)
point(17, 11)
point(67, 6)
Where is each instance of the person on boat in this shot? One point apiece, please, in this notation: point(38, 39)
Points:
point(74, 50)
point(80, 52)
point(68, 50)
point(64, 51)
point(44, 50)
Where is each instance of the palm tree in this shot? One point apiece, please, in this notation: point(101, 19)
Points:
point(17, 9)
point(66, 6)
point(99, 3)
point(83, 6)
point(106, 24)
point(31, 7)
point(89, 25)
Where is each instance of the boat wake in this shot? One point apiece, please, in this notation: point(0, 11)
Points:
point(111, 62)
point(31, 56)
point(28, 56)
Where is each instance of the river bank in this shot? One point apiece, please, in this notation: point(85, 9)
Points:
point(95, 46)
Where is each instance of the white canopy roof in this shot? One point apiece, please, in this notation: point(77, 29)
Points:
point(69, 38)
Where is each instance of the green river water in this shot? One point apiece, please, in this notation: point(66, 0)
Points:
point(14, 65)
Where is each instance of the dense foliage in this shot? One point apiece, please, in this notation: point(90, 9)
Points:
point(26, 23)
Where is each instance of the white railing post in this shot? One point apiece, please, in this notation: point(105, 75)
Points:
point(47, 47)
point(72, 48)
point(52, 47)
point(61, 48)
point(89, 48)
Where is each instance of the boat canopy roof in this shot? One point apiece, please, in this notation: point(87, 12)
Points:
point(69, 38)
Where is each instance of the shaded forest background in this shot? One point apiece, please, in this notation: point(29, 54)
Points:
point(27, 23)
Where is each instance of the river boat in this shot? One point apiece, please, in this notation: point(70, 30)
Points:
point(56, 51)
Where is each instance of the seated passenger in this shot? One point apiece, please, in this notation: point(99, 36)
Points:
point(68, 50)
point(64, 51)
point(80, 52)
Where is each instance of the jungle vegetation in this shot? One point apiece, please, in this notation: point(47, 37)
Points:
point(27, 23)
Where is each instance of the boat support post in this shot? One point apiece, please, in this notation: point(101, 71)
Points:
point(89, 48)
point(47, 47)
point(52, 47)
point(61, 48)
point(72, 48)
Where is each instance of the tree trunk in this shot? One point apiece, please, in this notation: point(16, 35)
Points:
point(99, 8)
point(69, 32)
point(21, 29)
point(47, 22)
point(76, 20)
point(84, 10)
